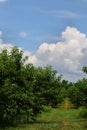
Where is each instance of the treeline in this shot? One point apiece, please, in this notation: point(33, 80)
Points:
point(26, 89)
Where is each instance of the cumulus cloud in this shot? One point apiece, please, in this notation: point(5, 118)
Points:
point(3, 45)
point(67, 56)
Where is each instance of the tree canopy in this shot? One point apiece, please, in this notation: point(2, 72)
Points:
point(26, 89)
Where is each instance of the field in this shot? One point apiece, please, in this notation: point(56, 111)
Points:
point(57, 119)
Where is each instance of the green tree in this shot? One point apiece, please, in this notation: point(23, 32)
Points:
point(25, 89)
point(47, 85)
point(78, 94)
point(16, 91)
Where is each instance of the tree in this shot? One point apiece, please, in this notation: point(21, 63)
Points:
point(16, 91)
point(47, 85)
point(78, 93)
point(26, 89)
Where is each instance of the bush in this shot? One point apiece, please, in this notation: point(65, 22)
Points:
point(47, 108)
point(83, 112)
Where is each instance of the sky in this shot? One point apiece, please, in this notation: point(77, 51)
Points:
point(49, 31)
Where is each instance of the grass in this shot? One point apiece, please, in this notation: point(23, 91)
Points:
point(57, 119)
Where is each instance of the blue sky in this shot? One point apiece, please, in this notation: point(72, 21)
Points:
point(40, 20)
point(30, 24)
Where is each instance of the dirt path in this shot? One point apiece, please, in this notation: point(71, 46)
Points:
point(64, 124)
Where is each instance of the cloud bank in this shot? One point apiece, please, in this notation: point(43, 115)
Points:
point(67, 56)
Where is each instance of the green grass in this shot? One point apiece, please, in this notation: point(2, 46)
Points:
point(57, 119)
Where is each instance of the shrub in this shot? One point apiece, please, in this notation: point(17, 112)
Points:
point(47, 108)
point(83, 112)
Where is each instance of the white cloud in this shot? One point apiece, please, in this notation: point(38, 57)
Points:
point(1, 1)
point(23, 34)
point(7, 46)
point(0, 33)
point(67, 56)
point(65, 14)
point(60, 13)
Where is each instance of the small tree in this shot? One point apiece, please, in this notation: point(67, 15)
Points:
point(47, 85)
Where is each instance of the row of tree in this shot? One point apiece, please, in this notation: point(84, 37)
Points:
point(26, 89)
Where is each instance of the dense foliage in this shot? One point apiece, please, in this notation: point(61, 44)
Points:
point(16, 96)
point(25, 90)
point(78, 94)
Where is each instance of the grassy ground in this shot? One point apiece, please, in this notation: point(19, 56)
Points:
point(57, 119)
